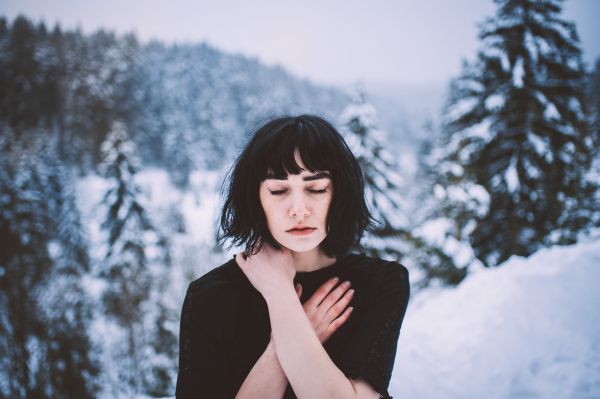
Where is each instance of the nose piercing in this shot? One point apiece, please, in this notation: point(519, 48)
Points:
point(306, 213)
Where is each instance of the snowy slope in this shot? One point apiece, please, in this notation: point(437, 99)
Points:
point(529, 329)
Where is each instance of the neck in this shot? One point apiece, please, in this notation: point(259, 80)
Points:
point(311, 260)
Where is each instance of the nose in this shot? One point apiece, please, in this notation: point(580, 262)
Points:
point(298, 206)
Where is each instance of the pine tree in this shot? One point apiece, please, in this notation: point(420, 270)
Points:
point(22, 75)
point(391, 238)
point(515, 126)
point(448, 205)
point(180, 163)
point(593, 107)
point(130, 267)
point(45, 312)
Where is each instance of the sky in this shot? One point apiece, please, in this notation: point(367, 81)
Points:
point(336, 42)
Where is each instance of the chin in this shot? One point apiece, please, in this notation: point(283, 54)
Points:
point(299, 245)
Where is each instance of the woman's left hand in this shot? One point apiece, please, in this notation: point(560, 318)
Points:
point(270, 270)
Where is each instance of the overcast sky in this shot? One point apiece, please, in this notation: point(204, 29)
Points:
point(327, 41)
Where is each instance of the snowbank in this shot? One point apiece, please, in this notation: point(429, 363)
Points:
point(529, 329)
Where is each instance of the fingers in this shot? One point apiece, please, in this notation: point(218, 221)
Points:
point(335, 296)
point(299, 290)
point(327, 309)
point(337, 323)
point(320, 294)
point(338, 307)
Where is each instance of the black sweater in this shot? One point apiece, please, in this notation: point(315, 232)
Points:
point(225, 326)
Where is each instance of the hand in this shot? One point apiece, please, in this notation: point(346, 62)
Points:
point(270, 270)
point(324, 307)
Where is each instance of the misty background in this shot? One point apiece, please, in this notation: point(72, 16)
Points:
point(476, 124)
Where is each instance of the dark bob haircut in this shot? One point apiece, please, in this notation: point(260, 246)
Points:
point(271, 150)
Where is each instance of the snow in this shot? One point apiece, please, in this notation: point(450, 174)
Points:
point(436, 231)
point(482, 130)
point(530, 328)
point(540, 144)
point(461, 108)
point(495, 102)
point(512, 177)
point(551, 113)
point(518, 73)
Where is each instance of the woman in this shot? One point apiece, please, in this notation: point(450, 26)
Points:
point(280, 320)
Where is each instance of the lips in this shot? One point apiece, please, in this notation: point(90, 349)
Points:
point(302, 231)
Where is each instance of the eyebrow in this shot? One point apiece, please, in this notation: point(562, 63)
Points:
point(321, 175)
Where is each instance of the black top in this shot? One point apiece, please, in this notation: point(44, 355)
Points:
point(225, 326)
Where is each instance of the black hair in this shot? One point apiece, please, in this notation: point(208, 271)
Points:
point(271, 151)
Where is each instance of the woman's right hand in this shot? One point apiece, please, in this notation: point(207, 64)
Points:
point(325, 305)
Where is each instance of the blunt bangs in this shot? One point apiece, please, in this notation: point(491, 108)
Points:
point(270, 152)
point(275, 148)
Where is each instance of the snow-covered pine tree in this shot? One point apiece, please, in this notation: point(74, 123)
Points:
point(593, 111)
point(44, 338)
point(391, 237)
point(448, 206)
point(515, 126)
point(383, 182)
point(594, 105)
point(135, 263)
point(162, 329)
point(180, 163)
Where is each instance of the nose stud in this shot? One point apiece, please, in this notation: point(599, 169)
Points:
point(306, 213)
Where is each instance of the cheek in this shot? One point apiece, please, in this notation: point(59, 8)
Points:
point(327, 204)
point(271, 210)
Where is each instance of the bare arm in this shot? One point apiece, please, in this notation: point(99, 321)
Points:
point(267, 378)
point(307, 365)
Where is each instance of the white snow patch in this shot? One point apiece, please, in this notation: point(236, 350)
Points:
point(530, 328)
point(518, 73)
point(495, 102)
point(460, 108)
point(540, 144)
point(511, 177)
point(551, 113)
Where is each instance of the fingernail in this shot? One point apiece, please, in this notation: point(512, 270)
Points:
point(336, 279)
point(351, 292)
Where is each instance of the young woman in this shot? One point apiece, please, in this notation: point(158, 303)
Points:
point(296, 314)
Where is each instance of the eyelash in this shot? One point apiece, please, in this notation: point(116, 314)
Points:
point(280, 192)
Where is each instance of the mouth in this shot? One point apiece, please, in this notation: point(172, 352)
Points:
point(301, 232)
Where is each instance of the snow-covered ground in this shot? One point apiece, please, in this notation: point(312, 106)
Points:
point(529, 329)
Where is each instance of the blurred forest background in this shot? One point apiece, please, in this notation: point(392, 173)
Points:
point(113, 151)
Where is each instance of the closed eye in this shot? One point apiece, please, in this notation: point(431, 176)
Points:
point(318, 191)
point(280, 192)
